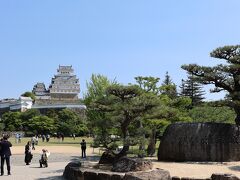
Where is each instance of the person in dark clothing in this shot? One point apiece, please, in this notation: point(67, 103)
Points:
point(83, 147)
point(5, 154)
point(28, 153)
point(44, 158)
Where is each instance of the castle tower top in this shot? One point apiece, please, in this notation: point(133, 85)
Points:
point(64, 85)
point(65, 70)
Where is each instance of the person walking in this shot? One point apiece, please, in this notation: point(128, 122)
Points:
point(16, 138)
point(5, 154)
point(20, 138)
point(36, 140)
point(62, 136)
point(83, 147)
point(47, 138)
point(43, 137)
point(33, 141)
point(28, 153)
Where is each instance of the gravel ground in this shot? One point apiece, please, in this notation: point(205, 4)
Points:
point(57, 163)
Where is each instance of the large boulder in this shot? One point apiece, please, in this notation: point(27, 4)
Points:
point(200, 142)
point(107, 158)
point(76, 171)
point(71, 170)
point(224, 177)
point(126, 164)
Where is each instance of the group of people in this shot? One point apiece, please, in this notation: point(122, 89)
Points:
point(5, 153)
point(43, 161)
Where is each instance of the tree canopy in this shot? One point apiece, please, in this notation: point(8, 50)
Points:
point(224, 76)
point(29, 94)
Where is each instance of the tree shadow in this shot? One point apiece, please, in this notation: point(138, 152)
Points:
point(35, 167)
point(192, 162)
point(52, 178)
point(59, 143)
point(58, 177)
point(234, 168)
point(88, 158)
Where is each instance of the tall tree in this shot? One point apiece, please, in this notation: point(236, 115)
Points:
point(96, 88)
point(168, 87)
point(150, 85)
point(70, 122)
point(169, 109)
point(223, 76)
point(208, 113)
point(12, 121)
point(27, 115)
point(192, 89)
point(41, 124)
point(123, 107)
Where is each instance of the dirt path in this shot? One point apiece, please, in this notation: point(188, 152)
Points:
point(199, 170)
point(186, 169)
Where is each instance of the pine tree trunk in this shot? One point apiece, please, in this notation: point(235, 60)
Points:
point(123, 152)
point(141, 153)
point(237, 111)
point(125, 148)
point(152, 143)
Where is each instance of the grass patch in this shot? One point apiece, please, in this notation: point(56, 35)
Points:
point(68, 141)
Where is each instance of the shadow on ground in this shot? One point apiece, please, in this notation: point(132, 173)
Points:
point(235, 168)
point(89, 158)
point(59, 177)
point(191, 162)
point(59, 143)
point(52, 178)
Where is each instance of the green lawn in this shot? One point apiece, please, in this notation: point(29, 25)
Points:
point(68, 141)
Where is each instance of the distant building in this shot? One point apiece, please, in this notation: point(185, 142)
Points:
point(22, 104)
point(40, 91)
point(64, 86)
point(62, 93)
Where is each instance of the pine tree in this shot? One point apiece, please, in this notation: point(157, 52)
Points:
point(192, 89)
point(168, 87)
point(225, 77)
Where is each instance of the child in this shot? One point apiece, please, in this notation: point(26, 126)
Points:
point(44, 158)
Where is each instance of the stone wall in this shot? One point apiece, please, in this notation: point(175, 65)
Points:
point(200, 142)
point(74, 171)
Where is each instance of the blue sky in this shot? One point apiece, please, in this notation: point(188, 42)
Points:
point(121, 39)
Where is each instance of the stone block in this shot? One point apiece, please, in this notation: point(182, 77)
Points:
point(90, 175)
point(157, 174)
point(104, 176)
point(224, 177)
point(117, 177)
point(126, 164)
point(200, 142)
point(176, 178)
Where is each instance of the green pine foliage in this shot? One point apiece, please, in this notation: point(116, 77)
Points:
point(168, 87)
point(225, 77)
point(192, 89)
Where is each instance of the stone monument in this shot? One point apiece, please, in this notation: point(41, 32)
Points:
point(200, 142)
